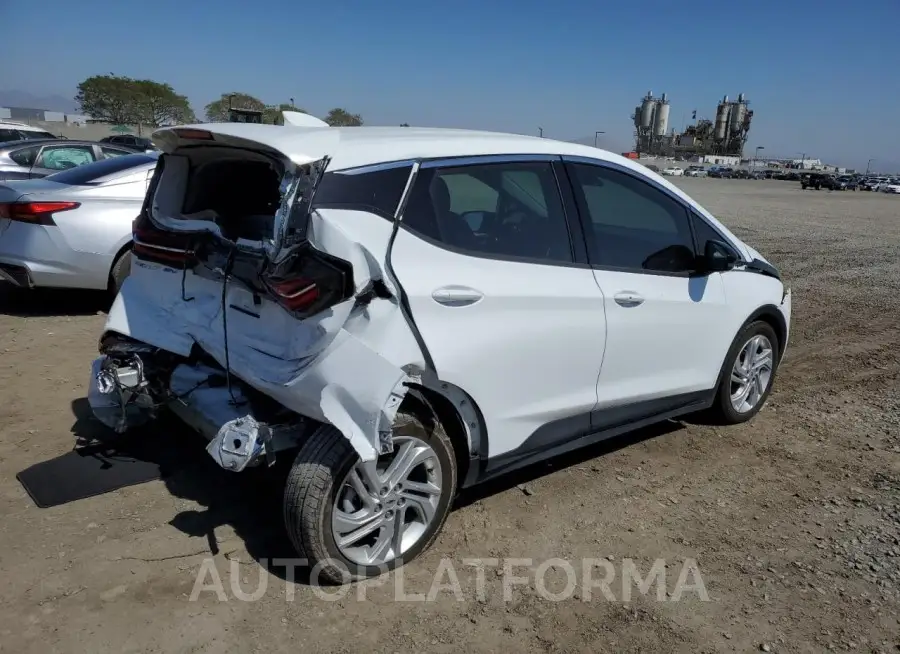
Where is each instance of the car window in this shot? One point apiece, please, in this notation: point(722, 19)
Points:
point(36, 134)
point(89, 174)
point(704, 232)
point(633, 225)
point(503, 210)
point(25, 156)
point(9, 135)
point(377, 191)
point(63, 157)
point(108, 153)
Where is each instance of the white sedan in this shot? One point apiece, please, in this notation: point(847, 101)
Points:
point(892, 186)
point(404, 313)
point(673, 171)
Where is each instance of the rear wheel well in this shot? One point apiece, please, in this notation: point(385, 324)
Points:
point(122, 250)
point(429, 404)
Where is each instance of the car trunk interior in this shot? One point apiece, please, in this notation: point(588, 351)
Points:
point(238, 190)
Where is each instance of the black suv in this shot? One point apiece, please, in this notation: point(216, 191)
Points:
point(135, 143)
point(819, 181)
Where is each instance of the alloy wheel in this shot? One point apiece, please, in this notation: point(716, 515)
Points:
point(384, 507)
point(751, 373)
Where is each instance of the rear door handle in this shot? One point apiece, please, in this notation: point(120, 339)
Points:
point(456, 296)
point(628, 299)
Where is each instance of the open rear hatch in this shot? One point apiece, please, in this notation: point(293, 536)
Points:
point(225, 229)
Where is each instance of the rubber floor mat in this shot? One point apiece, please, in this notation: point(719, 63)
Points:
point(99, 468)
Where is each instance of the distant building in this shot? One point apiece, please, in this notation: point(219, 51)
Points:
point(29, 115)
point(718, 159)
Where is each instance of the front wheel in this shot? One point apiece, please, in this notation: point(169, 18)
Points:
point(748, 374)
point(352, 519)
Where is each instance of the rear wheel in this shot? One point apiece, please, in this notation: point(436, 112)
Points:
point(120, 270)
point(748, 374)
point(352, 519)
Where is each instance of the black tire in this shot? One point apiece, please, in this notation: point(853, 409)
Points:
point(804, 187)
point(722, 412)
point(313, 482)
point(120, 270)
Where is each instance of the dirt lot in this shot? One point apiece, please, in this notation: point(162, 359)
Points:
point(793, 519)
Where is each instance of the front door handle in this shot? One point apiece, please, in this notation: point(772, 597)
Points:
point(628, 299)
point(456, 296)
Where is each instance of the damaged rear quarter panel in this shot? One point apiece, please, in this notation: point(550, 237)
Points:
point(343, 366)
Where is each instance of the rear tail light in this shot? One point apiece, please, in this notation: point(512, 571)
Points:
point(36, 213)
point(158, 246)
point(295, 294)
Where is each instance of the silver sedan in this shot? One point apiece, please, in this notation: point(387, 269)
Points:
point(73, 229)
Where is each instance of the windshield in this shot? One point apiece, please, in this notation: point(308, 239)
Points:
point(89, 174)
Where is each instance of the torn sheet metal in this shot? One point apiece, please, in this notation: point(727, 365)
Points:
point(343, 366)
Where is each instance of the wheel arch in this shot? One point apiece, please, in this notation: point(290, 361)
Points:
point(461, 418)
point(123, 248)
point(769, 314)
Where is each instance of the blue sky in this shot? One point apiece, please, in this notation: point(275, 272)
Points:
point(822, 77)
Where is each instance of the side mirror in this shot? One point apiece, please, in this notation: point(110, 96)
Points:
point(718, 257)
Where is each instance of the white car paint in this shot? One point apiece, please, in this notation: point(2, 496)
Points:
point(300, 119)
point(673, 171)
point(539, 343)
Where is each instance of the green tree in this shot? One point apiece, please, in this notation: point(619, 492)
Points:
point(338, 117)
point(108, 99)
point(160, 105)
point(217, 110)
point(123, 100)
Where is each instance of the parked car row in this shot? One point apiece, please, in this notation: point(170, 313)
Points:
point(883, 184)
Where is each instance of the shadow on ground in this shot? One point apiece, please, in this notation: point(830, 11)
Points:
point(29, 303)
point(250, 502)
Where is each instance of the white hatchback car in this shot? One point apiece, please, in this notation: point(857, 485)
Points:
point(407, 312)
point(673, 171)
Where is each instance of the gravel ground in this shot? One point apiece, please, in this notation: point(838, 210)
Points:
point(793, 520)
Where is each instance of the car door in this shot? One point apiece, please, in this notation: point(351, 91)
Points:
point(499, 289)
point(665, 339)
point(54, 158)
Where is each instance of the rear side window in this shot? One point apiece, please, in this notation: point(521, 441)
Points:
point(87, 175)
point(25, 156)
point(501, 210)
point(9, 135)
point(377, 191)
point(109, 153)
point(33, 134)
point(63, 157)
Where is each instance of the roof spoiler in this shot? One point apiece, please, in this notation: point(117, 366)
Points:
point(300, 119)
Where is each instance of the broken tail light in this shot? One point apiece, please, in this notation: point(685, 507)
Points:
point(295, 294)
point(158, 246)
point(35, 213)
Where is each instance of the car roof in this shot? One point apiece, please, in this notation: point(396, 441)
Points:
point(351, 147)
point(32, 142)
point(25, 127)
